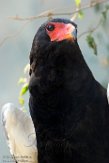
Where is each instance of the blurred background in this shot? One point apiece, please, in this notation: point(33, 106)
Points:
point(16, 35)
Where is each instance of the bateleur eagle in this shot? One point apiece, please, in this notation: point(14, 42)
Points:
point(69, 108)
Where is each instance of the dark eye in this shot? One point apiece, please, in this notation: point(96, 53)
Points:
point(50, 27)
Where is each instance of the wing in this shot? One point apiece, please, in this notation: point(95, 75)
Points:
point(20, 134)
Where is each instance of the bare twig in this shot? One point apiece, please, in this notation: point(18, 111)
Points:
point(91, 30)
point(51, 13)
point(42, 15)
point(15, 34)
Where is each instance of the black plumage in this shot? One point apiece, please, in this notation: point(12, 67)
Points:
point(68, 106)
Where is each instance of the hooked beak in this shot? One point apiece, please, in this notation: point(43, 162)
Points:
point(71, 33)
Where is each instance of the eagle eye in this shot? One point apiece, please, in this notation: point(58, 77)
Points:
point(50, 27)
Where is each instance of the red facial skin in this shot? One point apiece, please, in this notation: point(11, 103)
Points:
point(61, 31)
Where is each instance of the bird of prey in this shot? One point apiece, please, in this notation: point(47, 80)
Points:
point(20, 134)
point(108, 92)
point(69, 108)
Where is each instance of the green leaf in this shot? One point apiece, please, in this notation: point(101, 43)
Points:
point(92, 44)
point(22, 81)
point(107, 7)
point(104, 13)
point(21, 101)
point(80, 14)
point(27, 68)
point(97, 7)
point(24, 89)
point(23, 109)
point(78, 3)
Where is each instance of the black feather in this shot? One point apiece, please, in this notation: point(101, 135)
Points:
point(68, 106)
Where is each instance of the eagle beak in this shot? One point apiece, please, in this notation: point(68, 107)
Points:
point(72, 35)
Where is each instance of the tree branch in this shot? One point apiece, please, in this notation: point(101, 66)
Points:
point(91, 30)
point(51, 13)
point(15, 34)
